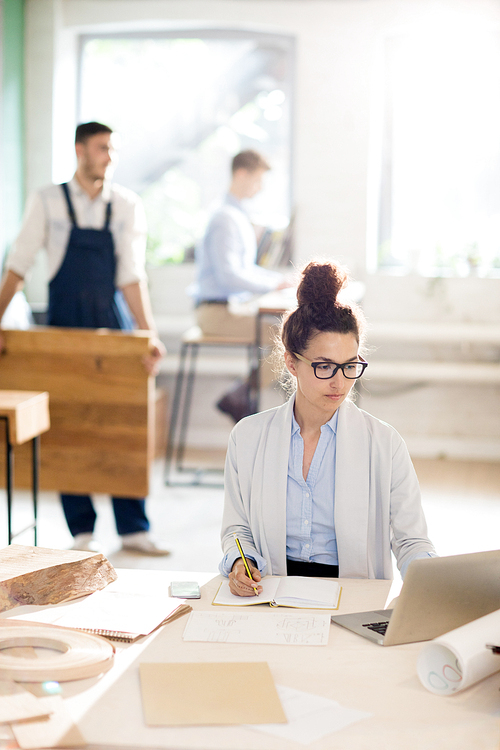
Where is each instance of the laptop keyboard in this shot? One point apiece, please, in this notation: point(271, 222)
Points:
point(378, 627)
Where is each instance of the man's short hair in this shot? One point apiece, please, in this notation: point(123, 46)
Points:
point(249, 160)
point(88, 129)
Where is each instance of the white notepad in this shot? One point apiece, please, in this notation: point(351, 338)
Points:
point(286, 591)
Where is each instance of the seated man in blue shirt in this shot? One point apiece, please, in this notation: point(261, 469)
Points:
point(226, 259)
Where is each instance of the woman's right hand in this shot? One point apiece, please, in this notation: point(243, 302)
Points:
point(239, 582)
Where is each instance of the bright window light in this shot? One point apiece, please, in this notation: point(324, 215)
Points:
point(183, 105)
point(439, 206)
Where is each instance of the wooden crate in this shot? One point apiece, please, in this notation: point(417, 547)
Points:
point(102, 408)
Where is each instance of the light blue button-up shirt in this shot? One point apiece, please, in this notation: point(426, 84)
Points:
point(310, 529)
point(310, 505)
point(310, 525)
point(226, 257)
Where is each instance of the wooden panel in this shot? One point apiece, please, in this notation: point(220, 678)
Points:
point(102, 408)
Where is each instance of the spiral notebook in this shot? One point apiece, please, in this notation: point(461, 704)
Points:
point(114, 614)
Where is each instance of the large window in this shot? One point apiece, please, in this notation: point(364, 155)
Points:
point(439, 201)
point(182, 105)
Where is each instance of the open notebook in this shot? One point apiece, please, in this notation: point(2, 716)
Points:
point(114, 614)
point(288, 591)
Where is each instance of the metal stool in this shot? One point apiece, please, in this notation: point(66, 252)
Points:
point(192, 341)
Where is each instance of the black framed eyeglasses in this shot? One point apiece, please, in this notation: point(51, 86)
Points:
point(327, 370)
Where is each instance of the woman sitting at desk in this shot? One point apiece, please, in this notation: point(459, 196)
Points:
point(318, 487)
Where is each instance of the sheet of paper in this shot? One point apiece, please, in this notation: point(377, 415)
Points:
point(209, 693)
point(57, 730)
point(17, 704)
point(107, 610)
point(274, 626)
point(310, 717)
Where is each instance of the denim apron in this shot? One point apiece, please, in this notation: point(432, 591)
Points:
point(83, 294)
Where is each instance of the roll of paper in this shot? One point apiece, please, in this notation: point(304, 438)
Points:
point(458, 659)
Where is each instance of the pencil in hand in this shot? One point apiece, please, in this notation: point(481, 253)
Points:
point(245, 562)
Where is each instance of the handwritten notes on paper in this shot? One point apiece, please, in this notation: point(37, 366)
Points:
point(258, 627)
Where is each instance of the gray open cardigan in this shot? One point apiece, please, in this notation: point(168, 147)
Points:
point(377, 496)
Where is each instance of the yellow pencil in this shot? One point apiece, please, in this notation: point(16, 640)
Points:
point(245, 563)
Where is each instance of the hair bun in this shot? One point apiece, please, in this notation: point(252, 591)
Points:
point(321, 283)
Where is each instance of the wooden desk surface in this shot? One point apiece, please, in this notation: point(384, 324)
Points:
point(350, 670)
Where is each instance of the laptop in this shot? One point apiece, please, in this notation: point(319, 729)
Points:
point(439, 594)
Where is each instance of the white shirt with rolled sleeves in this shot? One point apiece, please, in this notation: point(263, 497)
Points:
point(46, 224)
point(377, 496)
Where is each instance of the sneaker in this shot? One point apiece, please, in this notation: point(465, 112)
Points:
point(143, 543)
point(85, 543)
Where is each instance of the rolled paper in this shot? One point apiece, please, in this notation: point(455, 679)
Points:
point(460, 658)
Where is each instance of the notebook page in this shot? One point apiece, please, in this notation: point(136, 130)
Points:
point(269, 585)
point(296, 591)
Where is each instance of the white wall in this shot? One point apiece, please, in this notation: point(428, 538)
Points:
point(338, 52)
point(335, 156)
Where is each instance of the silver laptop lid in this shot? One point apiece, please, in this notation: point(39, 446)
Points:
point(440, 594)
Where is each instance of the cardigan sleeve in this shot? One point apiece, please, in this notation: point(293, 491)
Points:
point(409, 529)
point(235, 519)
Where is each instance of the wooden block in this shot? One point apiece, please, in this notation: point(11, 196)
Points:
point(27, 413)
point(36, 575)
point(102, 408)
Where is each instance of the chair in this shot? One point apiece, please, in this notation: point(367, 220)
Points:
point(192, 341)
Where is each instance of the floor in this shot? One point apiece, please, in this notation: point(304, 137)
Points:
point(461, 502)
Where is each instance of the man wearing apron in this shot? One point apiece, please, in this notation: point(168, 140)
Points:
point(94, 234)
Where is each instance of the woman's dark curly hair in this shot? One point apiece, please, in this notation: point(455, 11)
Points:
point(319, 309)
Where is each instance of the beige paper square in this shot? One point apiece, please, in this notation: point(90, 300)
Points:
point(57, 730)
point(211, 693)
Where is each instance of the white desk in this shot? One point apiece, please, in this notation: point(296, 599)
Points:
point(350, 670)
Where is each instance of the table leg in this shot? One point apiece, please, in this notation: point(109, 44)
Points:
point(9, 458)
point(172, 430)
point(36, 465)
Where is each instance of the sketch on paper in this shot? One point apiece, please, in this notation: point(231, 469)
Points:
point(258, 627)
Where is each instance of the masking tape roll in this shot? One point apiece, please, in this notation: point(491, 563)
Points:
point(80, 655)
